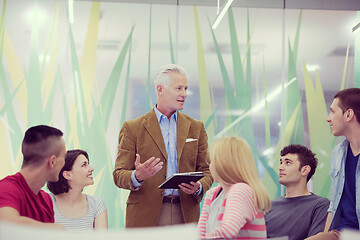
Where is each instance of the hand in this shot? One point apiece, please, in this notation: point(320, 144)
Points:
point(146, 169)
point(191, 188)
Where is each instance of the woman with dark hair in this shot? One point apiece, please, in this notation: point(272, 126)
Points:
point(73, 209)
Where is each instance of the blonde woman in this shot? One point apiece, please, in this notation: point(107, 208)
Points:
point(234, 209)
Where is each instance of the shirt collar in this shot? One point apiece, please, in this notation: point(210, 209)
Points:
point(159, 114)
point(345, 143)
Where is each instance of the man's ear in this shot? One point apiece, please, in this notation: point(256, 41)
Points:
point(349, 114)
point(51, 161)
point(159, 88)
point(305, 170)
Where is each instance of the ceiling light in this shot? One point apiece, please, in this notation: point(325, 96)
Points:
point(71, 11)
point(312, 67)
point(222, 13)
point(356, 27)
point(37, 15)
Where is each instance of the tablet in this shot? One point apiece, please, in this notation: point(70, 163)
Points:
point(177, 178)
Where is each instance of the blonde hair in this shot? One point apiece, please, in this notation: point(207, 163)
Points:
point(233, 162)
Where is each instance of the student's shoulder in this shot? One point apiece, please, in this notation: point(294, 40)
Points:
point(319, 199)
point(94, 200)
point(241, 187)
point(278, 200)
point(13, 188)
point(211, 195)
point(47, 196)
point(11, 182)
point(214, 189)
point(341, 146)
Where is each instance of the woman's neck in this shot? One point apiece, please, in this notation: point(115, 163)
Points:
point(71, 197)
point(72, 204)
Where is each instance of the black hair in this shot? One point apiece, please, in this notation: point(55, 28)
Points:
point(350, 99)
point(39, 143)
point(305, 156)
point(62, 185)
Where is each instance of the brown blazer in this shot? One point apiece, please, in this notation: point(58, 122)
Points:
point(143, 135)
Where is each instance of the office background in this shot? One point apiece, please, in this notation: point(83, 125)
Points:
point(267, 74)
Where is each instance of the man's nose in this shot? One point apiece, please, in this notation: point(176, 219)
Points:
point(184, 93)
point(328, 118)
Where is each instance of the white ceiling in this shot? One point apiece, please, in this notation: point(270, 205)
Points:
point(288, 4)
point(324, 36)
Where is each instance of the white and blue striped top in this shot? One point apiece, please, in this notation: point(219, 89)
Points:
point(95, 207)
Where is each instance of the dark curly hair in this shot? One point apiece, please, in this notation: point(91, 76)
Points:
point(305, 156)
point(62, 185)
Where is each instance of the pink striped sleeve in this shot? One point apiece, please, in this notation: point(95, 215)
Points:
point(240, 208)
point(205, 211)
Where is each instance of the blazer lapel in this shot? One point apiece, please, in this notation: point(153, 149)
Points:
point(151, 124)
point(182, 130)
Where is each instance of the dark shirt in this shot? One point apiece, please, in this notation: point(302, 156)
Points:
point(296, 217)
point(347, 203)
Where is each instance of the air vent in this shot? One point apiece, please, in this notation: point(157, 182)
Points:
point(341, 52)
point(108, 45)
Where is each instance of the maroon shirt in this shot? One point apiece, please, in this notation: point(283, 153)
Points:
point(16, 193)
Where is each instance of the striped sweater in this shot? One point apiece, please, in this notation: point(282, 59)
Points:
point(236, 215)
point(95, 207)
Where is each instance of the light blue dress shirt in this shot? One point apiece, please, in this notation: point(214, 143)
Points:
point(168, 130)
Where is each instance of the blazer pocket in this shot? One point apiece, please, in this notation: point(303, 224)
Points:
point(191, 140)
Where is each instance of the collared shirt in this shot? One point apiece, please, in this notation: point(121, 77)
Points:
point(348, 200)
point(168, 130)
point(337, 173)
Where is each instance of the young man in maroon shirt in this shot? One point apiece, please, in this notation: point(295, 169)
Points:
point(21, 198)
